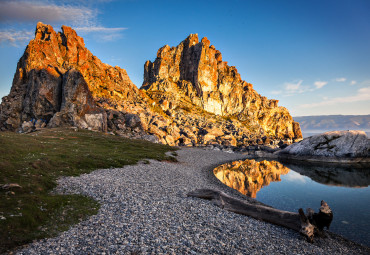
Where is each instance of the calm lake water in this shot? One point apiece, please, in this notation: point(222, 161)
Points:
point(289, 187)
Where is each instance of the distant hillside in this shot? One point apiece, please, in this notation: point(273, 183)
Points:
point(334, 122)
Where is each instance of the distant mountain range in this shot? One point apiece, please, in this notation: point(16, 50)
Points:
point(323, 123)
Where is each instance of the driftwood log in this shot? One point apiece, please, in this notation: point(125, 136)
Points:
point(308, 225)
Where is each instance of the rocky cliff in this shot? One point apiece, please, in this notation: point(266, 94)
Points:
point(194, 72)
point(58, 82)
point(189, 97)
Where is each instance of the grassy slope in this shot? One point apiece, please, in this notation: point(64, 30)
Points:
point(34, 162)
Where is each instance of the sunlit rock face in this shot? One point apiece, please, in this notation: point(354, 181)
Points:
point(60, 82)
point(194, 72)
point(249, 176)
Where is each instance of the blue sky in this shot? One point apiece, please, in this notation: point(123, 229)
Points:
point(313, 56)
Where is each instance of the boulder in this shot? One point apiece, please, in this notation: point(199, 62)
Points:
point(335, 146)
point(27, 127)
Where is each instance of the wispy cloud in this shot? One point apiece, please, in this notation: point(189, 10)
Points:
point(34, 11)
point(296, 87)
point(353, 83)
point(105, 33)
point(363, 94)
point(293, 87)
point(110, 37)
point(341, 79)
point(12, 36)
point(100, 29)
point(276, 92)
point(115, 59)
point(320, 84)
point(26, 12)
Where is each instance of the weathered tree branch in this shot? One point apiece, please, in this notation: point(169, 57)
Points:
point(306, 225)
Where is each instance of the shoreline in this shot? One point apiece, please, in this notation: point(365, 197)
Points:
point(145, 209)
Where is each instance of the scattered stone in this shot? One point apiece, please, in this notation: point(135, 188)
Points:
point(27, 127)
point(11, 186)
point(10, 193)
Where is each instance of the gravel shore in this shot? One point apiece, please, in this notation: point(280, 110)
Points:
point(145, 210)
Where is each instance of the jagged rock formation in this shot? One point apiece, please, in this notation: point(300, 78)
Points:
point(60, 82)
point(249, 176)
point(191, 96)
point(193, 73)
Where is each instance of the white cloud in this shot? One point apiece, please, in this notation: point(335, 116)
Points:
point(363, 94)
point(353, 83)
point(47, 12)
point(293, 86)
point(99, 29)
point(105, 33)
point(13, 37)
point(341, 79)
point(115, 59)
point(109, 37)
point(320, 84)
point(276, 92)
point(80, 15)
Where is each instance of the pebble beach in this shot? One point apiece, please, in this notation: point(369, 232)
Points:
point(145, 210)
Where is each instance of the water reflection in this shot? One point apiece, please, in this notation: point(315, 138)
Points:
point(290, 186)
point(249, 176)
point(355, 176)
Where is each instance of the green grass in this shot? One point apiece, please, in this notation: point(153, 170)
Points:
point(34, 162)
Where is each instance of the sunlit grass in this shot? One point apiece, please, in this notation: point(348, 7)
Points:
point(34, 161)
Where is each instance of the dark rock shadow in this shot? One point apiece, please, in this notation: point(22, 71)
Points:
point(354, 175)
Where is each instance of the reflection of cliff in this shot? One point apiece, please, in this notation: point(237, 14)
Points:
point(249, 176)
point(333, 174)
